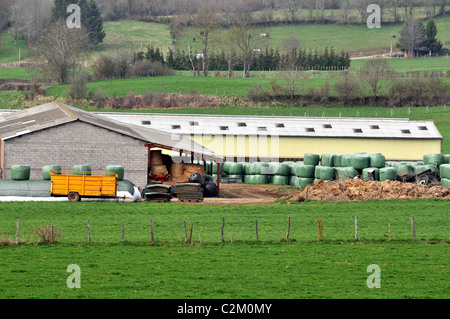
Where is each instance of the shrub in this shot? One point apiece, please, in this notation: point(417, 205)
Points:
point(110, 67)
point(78, 89)
point(98, 97)
point(148, 68)
point(47, 233)
point(348, 87)
point(257, 93)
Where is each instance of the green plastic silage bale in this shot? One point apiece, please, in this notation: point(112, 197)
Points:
point(81, 170)
point(422, 168)
point(233, 169)
point(437, 159)
point(116, 169)
point(405, 170)
point(360, 161)
point(46, 171)
point(337, 160)
point(311, 159)
point(365, 173)
point(444, 171)
point(317, 170)
point(279, 169)
point(280, 180)
point(346, 160)
point(447, 159)
point(261, 179)
point(305, 171)
point(295, 169)
point(246, 167)
point(304, 182)
point(388, 173)
point(377, 160)
point(20, 172)
point(344, 173)
point(445, 182)
point(259, 168)
point(328, 160)
point(293, 180)
point(328, 173)
point(125, 186)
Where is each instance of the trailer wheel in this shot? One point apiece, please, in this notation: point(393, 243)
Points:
point(424, 180)
point(74, 197)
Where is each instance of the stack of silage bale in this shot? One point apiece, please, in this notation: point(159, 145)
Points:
point(304, 172)
point(258, 173)
point(280, 173)
point(233, 170)
point(444, 171)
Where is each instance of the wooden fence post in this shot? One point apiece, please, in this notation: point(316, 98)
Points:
point(289, 229)
point(413, 227)
point(152, 231)
point(319, 230)
point(223, 226)
point(17, 232)
point(389, 231)
point(190, 233)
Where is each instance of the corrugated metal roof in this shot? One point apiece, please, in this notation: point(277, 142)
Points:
point(14, 124)
point(382, 128)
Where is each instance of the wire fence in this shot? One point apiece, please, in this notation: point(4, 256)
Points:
point(395, 230)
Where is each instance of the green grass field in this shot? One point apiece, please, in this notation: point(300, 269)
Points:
point(128, 35)
point(352, 39)
point(9, 52)
point(240, 267)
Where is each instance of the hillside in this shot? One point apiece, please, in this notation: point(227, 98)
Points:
point(132, 35)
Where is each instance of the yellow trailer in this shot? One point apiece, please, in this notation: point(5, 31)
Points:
point(76, 185)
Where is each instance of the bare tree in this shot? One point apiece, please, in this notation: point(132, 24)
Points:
point(245, 37)
point(412, 36)
point(376, 73)
point(60, 52)
point(4, 12)
point(207, 21)
point(361, 7)
point(181, 27)
point(292, 7)
point(443, 4)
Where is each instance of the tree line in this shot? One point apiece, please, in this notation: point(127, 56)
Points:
point(269, 59)
point(272, 11)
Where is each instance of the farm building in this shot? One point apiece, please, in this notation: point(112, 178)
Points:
point(57, 134)
point(266, 138)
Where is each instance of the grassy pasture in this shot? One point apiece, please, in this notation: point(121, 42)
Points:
point(238, 268)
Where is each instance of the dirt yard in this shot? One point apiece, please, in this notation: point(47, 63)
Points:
point(240, 194)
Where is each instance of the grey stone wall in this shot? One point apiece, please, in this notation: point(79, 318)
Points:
point(78, 143)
